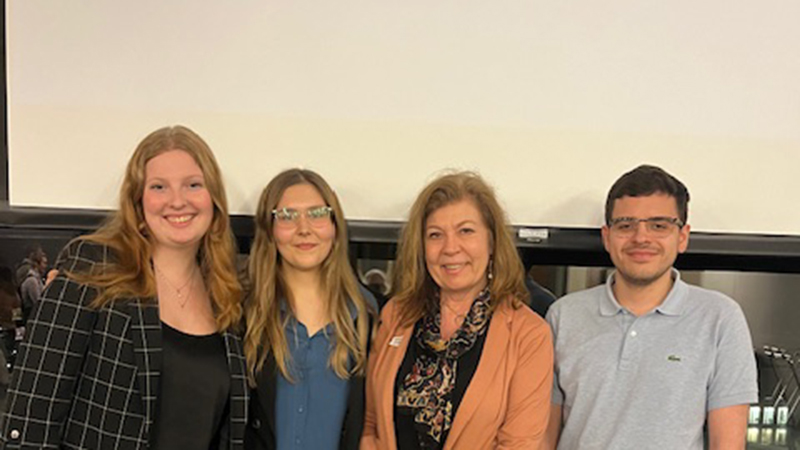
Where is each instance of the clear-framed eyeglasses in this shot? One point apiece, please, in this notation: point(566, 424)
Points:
point(656, 226)
point(289, 217)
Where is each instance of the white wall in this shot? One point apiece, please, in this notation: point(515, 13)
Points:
point(551, 101)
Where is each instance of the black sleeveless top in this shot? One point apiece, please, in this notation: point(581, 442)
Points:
point(194, 391)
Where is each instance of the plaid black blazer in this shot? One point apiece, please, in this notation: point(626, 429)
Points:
point(88, 378)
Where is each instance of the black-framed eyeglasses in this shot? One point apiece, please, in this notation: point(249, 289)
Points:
point(656, 226)
point(290, 217)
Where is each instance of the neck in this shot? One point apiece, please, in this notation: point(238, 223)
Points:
point(460, 299)
point(179, 263)
point(305, 285)
point(640, 299)
point(308, 300)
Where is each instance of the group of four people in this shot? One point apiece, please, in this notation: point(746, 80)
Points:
point(149, 338)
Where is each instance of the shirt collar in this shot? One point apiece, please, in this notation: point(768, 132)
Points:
point(673, 305)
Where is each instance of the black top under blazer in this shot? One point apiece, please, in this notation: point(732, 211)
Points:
point(88, 378)
point(260, 434)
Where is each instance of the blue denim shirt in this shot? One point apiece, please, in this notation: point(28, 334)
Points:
point(309, 412)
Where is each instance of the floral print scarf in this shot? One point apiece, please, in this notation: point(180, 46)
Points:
point(427, 389)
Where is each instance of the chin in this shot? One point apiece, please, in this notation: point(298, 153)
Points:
point(642, 278)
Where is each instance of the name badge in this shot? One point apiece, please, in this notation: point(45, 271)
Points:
point(395, 342)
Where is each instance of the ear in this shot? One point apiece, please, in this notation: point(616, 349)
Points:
point(683, 238)
point(604, 232)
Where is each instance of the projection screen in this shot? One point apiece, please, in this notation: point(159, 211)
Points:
point(549, 101)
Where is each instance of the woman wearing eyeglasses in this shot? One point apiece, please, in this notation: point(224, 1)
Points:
point(308, 321)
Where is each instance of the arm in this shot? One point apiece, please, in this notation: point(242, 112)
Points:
point(553, 428)
point(49, 363)
point(733, 385)
point(529, 392)
point(369, 437)
point(727, 428)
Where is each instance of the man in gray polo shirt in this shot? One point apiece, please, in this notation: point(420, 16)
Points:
point(644, 361)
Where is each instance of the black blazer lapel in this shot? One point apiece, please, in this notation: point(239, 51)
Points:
point(147, 344)
point(268, 393)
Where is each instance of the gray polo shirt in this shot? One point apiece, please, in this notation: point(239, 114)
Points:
point(628, 382)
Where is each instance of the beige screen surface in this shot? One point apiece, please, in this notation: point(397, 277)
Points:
point(550, 101)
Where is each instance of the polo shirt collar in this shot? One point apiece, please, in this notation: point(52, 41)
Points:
point(673, 305)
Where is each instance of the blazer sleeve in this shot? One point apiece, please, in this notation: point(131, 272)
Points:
point(529, 391)
point(369, 436)
point(51, 357)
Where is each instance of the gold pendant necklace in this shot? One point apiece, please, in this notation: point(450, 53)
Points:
point(178, 290)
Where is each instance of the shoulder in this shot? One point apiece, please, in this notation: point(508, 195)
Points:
point(82, 254)
point(390, 313)
point(713, 305)
point(576, 302)
point(29, 280)
point(525, 324)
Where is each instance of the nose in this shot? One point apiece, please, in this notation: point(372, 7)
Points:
point(178, 199)
point(451, 245)
point(641, 233)
point(303, 227)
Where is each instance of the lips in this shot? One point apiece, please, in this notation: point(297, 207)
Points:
point(306, 246)
point(641, 255)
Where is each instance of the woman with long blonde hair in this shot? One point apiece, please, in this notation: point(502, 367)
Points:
point(308, 321)
point(140, 307)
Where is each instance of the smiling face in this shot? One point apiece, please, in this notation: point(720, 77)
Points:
point(304, 244)
point(457, 249)
point(641, 258)
point(176, 204)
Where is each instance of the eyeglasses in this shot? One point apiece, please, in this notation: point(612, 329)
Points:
point(289, 217)
point(656, 226)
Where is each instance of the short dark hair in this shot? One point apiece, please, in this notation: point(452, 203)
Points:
point(648, 180)
point(36, 254)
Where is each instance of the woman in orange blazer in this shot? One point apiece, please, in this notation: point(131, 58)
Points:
point(458, 361)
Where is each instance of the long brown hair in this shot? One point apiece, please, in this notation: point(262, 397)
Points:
point(414, 289)
point(265, 287)
point(130, 274)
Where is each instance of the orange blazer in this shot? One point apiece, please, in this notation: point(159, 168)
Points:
point(507, 403)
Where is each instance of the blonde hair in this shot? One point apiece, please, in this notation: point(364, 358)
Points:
point(265, 288)
point(130, 273)
point(413, 288)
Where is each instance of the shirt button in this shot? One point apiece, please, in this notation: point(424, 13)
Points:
point(633, 333)
point(14, 434)
point(300, 410)
point(256, 423)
